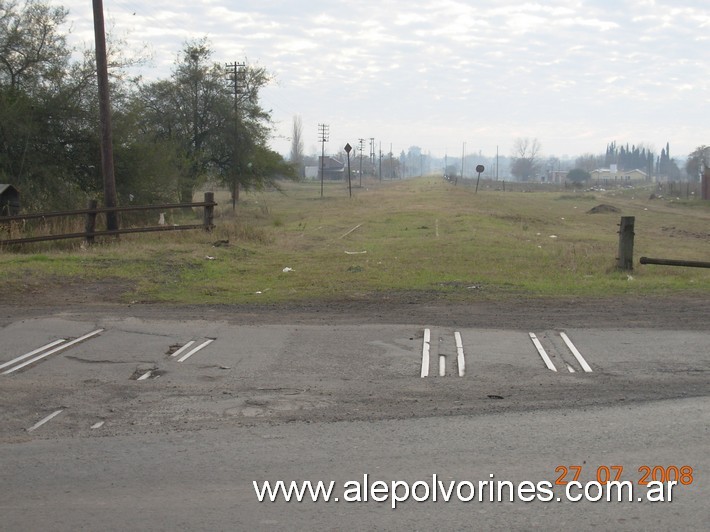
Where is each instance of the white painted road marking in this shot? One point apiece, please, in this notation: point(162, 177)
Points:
point(98, 425)
point(183, 348)
point(195, 350)
point(543, 354)
point(146, 375)
point(52, 351)
point(426, 348)
point(576, 353)
point(48, 418)
point(32, 353)
point(425, 353)
point(459, 350)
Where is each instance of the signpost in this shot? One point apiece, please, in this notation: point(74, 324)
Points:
point(480, 168)
point(348, 149)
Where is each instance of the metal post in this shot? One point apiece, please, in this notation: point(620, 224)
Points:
point(348, 148)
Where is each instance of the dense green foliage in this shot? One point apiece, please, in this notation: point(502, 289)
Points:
point(578, 175)
point(170, 135)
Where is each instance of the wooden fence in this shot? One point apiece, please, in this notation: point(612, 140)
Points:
point(91, 212)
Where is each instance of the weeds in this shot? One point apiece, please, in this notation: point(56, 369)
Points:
point(423, 235)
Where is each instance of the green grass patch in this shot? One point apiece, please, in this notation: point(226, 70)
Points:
point(422, 236)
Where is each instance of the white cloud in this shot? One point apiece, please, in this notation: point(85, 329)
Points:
point(421, 72)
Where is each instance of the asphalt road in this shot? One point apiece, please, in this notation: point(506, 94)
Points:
point(134, 427)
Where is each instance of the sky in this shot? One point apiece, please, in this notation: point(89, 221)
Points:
point(573, 74)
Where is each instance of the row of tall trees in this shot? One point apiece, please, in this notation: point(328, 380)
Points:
point(642, 158)
point(170, 135)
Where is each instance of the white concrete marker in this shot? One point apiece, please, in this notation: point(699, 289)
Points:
point(48, 418)
point(576, 353)
point(425, 353)
point(52, 351)
point(32, 353)
point(183, 348)
point(459, 350)
point(543, 354)
point(146, 375)
point(195, 350)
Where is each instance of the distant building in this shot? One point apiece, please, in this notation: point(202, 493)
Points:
point(556, 176)
point(614, 174)
point(333, 168)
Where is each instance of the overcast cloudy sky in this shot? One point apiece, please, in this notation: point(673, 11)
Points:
point(575, 74)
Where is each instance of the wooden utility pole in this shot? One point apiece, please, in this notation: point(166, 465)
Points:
point(323, 135)
point(362, 150)
point(110, 197)
point(235, 74)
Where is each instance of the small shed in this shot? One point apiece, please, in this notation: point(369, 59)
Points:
point(9, 200)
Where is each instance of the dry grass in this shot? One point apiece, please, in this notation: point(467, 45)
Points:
point(423, 235)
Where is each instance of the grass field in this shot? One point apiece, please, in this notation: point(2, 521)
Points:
point(423, 236)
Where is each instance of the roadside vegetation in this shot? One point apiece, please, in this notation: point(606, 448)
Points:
point(420, 239)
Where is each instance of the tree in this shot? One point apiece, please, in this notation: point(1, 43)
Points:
point(218, 132)
point(698, 161)
point(578, 175)
point(48, 133)
point(296, 156)
point(525, 158)
point(32, 50)
point(190, 111)
point(589, 162)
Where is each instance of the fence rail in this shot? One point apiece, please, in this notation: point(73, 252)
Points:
point(93, 210)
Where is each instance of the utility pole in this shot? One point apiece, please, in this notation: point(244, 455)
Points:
point(463, 154)
point(496, 163)
point(236, 74)
point(372, 153)
point(362, 149)
point(107, 169)
point(380, 160)
point(323, 135)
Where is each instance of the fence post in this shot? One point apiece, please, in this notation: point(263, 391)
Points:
point(90, 223)
point(208, 218)
point(625, 260)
